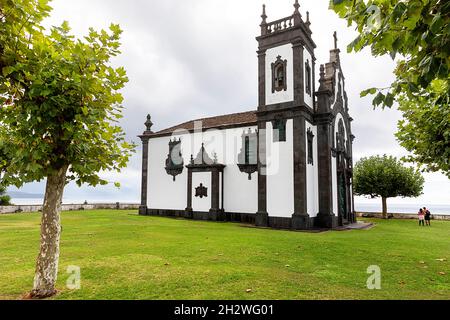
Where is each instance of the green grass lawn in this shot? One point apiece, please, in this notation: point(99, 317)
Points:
point(126, 256)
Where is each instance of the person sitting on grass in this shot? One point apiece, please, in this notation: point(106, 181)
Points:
point(421, 215)
point(427, 216)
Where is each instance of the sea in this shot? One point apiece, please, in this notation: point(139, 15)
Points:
point(443, 209)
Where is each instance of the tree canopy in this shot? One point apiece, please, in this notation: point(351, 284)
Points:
point(386, 177)
point(60, 105)
point(4, 198)
point(417, 34)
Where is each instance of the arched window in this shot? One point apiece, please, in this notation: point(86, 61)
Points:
point(279, 75)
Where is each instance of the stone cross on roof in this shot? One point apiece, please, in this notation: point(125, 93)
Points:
point(335, 40)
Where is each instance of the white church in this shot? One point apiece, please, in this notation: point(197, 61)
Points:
point(287, 164)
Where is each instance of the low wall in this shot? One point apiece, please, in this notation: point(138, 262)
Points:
point(70, 207)
point(400, 215)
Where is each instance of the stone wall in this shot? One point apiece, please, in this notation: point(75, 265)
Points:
point(400, 215)
point(70, 207)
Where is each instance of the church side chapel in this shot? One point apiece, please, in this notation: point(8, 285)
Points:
point(287, 164)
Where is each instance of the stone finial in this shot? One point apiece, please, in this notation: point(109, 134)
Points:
point(296, 6)
point(308, 23)
point(264, 16)
point(149, 123)
point(297, 15)
point(322, 77)
point(264, 21)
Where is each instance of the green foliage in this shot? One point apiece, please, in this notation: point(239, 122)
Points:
point(425, 130)
point(386, 177)
point(417, 33)
point(19, 19)
point(60, 99)
point(4, 199)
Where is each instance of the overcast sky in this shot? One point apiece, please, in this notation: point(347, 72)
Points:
point(196, 58)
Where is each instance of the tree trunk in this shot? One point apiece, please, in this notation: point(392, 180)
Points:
point(385, 216)
point(48, 258)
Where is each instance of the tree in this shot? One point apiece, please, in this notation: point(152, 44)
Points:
point(386, 177)
point(417, 32)
point(4, 198)
point(60, 109)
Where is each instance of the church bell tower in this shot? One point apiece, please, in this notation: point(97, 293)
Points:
point(286, 65)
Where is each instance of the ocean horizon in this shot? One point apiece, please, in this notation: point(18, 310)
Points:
point(443, 209)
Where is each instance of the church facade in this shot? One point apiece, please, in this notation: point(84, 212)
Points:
point(286, 164)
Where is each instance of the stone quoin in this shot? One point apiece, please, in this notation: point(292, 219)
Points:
point(287, 164)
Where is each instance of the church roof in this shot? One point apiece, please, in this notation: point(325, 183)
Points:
point(228, 120)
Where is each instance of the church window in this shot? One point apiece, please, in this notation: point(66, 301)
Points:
point(279, 130)
point(247, 150)
point(174, 161)
point(247, 158)
point(308, 77)
point(310, 136)
point(279, 77)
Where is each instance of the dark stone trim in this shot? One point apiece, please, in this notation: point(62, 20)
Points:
point(326, 217)
point(301, 223)
point(261, 78)
point(326, 221)
point(220, 127)
point(215, 192)
point(216, 170)
point(300, 173)
point(262, 215)
point(222, 190)
point(189, 192)
point(145, 149)
point(248, 169)
point(286, 37)
point(285, 111)
point(299, 95)
point(206, 168)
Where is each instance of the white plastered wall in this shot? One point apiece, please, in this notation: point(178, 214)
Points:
point(201, 204)
point(163, 192)
point(286, 53)
point(280, 173)
point(240, 194)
